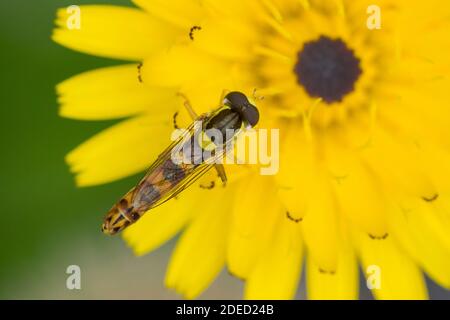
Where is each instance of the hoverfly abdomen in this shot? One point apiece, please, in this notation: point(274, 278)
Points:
point(173, 172)
point(119, 217)
point(159, 182)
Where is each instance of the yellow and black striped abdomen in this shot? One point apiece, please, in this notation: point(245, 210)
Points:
point(155, 186)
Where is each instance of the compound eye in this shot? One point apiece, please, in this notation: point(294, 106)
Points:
point(236, 100)
point(251, 114)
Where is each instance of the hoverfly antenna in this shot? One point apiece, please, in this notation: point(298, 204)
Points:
point(255, 95)
point(239, 102)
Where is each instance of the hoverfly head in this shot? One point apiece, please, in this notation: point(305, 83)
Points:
point(238, 102)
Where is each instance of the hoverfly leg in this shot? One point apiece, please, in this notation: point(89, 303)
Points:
point(255, 96)
point(191, 111)
point(221, 172)
point(209, 187)
point(188, 106)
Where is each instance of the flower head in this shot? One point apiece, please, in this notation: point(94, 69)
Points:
point(364, 122)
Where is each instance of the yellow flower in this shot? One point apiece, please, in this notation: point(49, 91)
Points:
point(364, 121)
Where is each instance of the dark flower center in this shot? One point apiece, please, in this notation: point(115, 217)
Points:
point(328, 69)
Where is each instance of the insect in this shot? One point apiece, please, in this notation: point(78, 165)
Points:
point(180, 165)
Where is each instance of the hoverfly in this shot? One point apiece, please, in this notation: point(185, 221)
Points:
point(168, 176)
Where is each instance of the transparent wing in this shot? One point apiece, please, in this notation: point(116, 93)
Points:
point(191, 177)
point(163, 167)
point(188, 132)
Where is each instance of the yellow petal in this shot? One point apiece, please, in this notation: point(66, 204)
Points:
point(397, 165)
point(253, 218)
point(227, 37)
point(321, 226)
point(298, 167)
point(359, 195)
point(437, 161)
point(248, 10)
point(423, 125)
point(113, 32)
point(394, 162)
point(162, 223)
point(431, 24)
point(205, 96)
point(277, 272)
point(399, 277)
point(200, 253)
point(122, 150)
point(181, 65)
point(423, 230)
point(341, 285)
point(180, 13)
point(111, 93)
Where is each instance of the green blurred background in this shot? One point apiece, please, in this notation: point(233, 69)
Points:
point(47, 223)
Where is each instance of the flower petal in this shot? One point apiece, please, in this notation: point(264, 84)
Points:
point(298, 168)
point(229, 38)
point(204, 95)
point(321, 227)
point(254, 215)
point(113, 32)
point(341, 285)
point(122, 150)
point(423, 230)
point(394, 162)
point(111, 93)
point(359, 196)
point(181, 65)
point(200, 253)
point(408, 106)
point(180, 13)
point(162, 223)
point(277, 272)
point(400, 277)
point(436, 160)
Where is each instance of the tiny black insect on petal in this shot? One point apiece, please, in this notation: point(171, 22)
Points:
point(383, 237)
point(431, 199)
point(327, 272)
point(139, 67)
point(327, 69)
point(192, 31)
point(290, 217)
